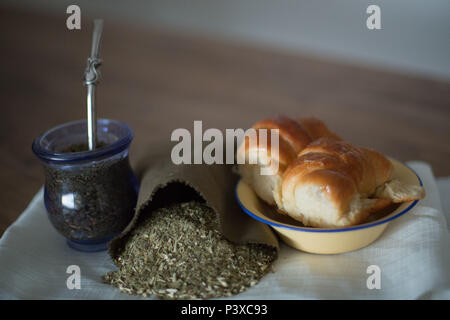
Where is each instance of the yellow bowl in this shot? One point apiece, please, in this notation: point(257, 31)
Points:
point(326, 240)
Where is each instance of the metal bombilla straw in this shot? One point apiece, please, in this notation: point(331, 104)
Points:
point(91, 79)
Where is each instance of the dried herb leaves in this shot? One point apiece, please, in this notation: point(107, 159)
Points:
point(179, 253)
point(90, 201)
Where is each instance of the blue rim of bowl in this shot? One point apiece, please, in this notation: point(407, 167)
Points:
point(306, 229)
point(70, 157)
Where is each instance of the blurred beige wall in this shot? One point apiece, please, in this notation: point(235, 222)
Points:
point(415, 35)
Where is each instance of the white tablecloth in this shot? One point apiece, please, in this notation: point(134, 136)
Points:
point(413, 256)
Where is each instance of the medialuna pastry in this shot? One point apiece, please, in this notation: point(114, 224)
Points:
point(321, 180)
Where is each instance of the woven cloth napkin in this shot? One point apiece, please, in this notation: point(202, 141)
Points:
point(413, 256)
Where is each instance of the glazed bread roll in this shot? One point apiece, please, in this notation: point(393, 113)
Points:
point(294, 136)
point(322, 181)
point(329, 184)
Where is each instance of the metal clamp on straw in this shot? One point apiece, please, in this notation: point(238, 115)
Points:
point(91, 79)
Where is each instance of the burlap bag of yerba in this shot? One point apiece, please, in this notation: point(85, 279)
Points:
point(172, 197)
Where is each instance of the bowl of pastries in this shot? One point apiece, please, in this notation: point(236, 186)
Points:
point(325, 195)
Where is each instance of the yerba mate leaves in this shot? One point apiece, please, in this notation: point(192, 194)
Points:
point(179, 253)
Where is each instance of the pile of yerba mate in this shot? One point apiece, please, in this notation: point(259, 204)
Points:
point(179, 253)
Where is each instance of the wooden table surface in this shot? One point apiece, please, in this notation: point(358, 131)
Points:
point(158, 81)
